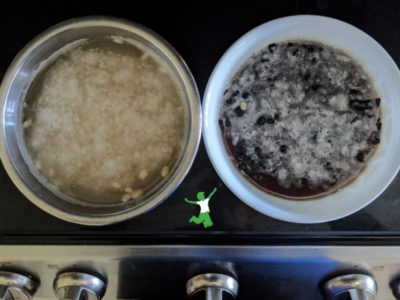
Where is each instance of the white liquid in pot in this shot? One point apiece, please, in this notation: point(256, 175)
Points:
point(104, 123)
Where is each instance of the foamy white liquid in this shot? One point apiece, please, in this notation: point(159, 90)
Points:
point(310, 92)
point(105, 123)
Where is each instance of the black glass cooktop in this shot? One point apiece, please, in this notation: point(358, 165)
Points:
point(200, 33)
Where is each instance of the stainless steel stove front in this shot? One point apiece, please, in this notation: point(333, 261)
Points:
point(151, 272)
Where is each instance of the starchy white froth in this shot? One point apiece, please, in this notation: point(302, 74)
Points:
point(105, 121)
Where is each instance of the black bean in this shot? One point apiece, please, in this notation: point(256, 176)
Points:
point(240, 156)
point(295, 52)
point(258, 151)
point(225, 91)
point(290, 45)
point(354, 120)
point(313, 60)
point(245, 95)
point(360, 106)
point(257, 75)
point(235, 93)
point(306, 77)
point(271, 48)
point(360, 157)
point(378, 102)
point(241, 144)
point(354, 92)
point(314, 137)
point(270, 121)
point(229, 100)
point(310, 48)
point(328, 166)
point(315, 87)
point(276, 116)
point(261, 120)
point(379, 124)
point(283, 148)
point(228, 122)
point(221, 123)
point(242, 166)
point(264, 59)
point(238, 111)
point(374, 138)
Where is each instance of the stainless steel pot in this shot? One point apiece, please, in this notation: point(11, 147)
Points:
point(16, 82)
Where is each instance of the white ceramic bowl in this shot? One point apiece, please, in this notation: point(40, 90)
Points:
point(381, 168)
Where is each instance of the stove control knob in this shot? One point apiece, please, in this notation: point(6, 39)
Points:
point(351, 286)
point(213, 284)
point(78, 286)
point(395, 285)
point(14, 286)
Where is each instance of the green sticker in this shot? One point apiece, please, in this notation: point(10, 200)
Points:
point(204, 216)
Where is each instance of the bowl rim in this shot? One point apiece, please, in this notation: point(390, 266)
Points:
point(224, 173)
point(194, 104)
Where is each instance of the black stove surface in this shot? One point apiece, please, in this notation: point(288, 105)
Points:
point(201, 33)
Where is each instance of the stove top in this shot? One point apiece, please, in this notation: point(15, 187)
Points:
point(201, 36)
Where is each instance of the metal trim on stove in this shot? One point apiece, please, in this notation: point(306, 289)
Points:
point(262, 272)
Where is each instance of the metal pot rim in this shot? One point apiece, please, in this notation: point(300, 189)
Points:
point(192, 142)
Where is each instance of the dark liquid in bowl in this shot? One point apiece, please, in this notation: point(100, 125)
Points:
point(300, 119)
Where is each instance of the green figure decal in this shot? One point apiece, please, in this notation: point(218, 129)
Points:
point(204, 216)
